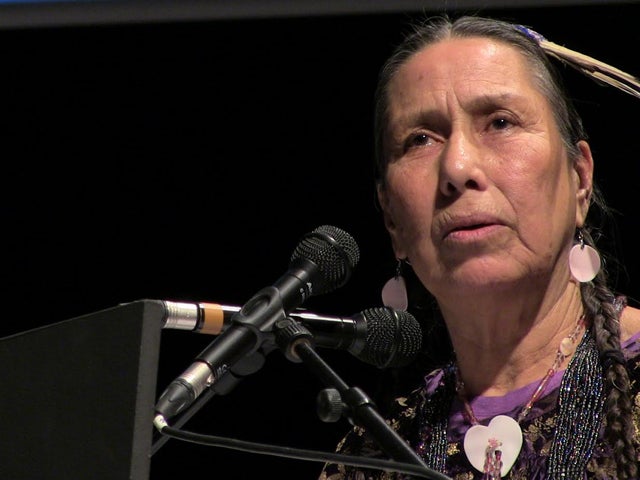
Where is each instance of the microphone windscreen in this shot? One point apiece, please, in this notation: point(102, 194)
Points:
point(394, 338)
point(333, 251)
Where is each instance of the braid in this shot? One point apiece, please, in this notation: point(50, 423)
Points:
point(603, 314)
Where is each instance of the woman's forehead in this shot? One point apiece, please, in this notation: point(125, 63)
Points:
point(473, 56)
point(473, 70)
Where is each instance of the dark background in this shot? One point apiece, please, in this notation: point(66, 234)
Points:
point(182, 158)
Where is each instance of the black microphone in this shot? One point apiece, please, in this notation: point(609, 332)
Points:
point(380, 336)
point(322, 262)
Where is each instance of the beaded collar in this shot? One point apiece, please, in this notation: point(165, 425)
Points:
point(578, 415)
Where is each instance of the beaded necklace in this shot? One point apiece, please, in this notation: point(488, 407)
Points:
point(493, 449)
point(577, 418)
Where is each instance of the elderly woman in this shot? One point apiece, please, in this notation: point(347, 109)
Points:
point(486, 185)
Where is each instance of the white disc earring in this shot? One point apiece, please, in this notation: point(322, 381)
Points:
point(394, 292)
point(584, 261)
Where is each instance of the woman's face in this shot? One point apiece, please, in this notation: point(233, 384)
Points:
point(479, 192)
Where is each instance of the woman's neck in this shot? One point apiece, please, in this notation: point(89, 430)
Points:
point(499, 352)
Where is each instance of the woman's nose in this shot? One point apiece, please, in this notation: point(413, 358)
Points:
point(461, 165)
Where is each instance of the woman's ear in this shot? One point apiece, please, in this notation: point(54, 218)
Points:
point(583, 166)
point(389, 223)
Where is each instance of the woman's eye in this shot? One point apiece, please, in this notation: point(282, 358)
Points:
point(417, 140)
point(501, 123)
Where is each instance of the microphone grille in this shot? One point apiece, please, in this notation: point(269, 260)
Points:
point(335, 253)
point(394, 338)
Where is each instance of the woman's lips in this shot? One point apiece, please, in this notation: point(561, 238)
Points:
point(472, 232)
point(470, 227)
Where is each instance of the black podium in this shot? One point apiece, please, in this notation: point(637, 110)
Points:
point(77, 397)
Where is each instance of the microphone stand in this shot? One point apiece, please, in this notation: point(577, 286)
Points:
point(296, 341)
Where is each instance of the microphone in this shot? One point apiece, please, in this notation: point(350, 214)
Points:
point(380, 336)
point(322, 262)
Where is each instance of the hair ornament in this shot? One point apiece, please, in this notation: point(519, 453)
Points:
point(589, 66)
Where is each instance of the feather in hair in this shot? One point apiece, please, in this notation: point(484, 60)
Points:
point(589, 66)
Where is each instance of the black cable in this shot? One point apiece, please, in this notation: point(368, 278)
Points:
point(310, 455)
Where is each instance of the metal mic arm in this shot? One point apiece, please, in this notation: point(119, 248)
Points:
point(296, 342)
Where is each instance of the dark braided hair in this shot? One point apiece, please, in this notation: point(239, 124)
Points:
point(602, 311)
point(602, 308)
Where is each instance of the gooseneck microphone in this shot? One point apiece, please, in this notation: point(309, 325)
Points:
point(380, 336)
point(322, 262)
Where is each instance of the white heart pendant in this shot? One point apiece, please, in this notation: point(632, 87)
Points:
point(501, 428)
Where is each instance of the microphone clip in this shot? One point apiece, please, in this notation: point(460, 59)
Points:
point(289, 334)
point(259, 315)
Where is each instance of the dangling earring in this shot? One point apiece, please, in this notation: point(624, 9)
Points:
point(394, 292)
point(584, 260)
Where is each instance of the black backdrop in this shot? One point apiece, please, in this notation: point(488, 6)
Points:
point(184, 160)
